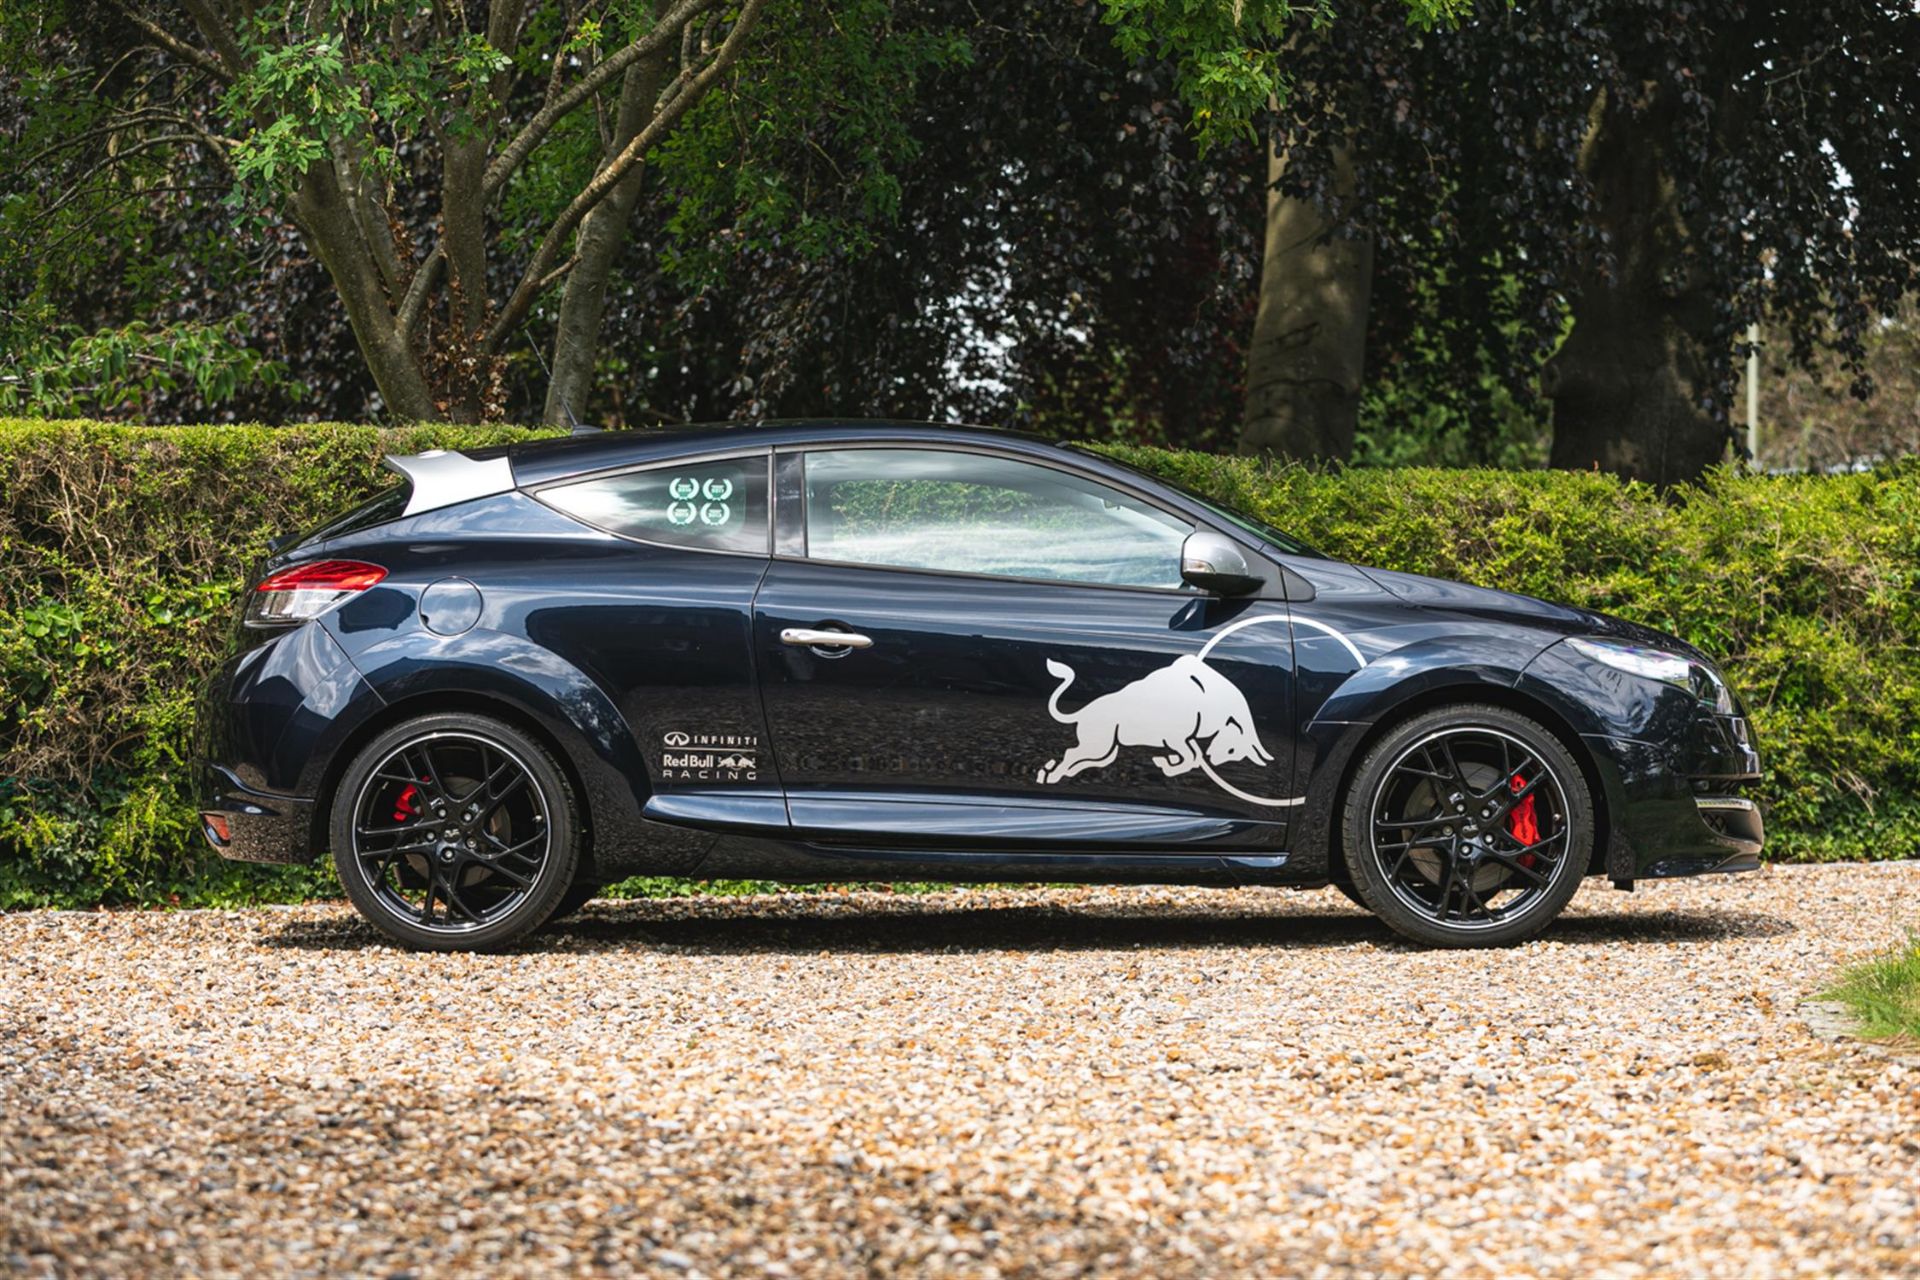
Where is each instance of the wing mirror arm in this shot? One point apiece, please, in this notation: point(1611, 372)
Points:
point(1215, 563)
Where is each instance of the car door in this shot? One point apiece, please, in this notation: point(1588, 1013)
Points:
point(661, 617)
point(1023, 664)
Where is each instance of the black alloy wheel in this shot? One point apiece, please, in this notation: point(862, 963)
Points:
point(1468, 826)
point(455, 832)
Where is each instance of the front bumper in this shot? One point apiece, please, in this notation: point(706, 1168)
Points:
point(1674, 806)
point(1672, 770)
point(1736, 835)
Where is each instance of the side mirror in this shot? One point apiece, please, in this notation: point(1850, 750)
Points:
point(1214, 563)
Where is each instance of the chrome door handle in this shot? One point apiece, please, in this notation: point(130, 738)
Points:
point(812, 639)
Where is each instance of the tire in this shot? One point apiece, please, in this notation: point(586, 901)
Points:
point(1468, 826)
point(578, 895)
point(455, 832)
point(1351, 894)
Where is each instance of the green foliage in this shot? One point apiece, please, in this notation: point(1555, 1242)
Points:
point(122, 555)
point(759, 159)
point(1884, 994)
point(117, 293)
point(68, 372)
point(123, 551)
point(1437, 400)
point(354, 87)
point(1232, 55)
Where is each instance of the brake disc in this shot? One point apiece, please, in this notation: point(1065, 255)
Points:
point(1431, 860)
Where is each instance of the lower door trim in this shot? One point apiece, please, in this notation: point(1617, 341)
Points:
point(858, 817)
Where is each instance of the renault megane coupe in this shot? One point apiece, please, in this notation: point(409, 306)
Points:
point(849, 651)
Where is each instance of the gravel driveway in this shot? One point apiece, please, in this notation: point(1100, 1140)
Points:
point(1157, 1082)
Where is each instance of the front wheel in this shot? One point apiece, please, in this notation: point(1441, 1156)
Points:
point(455, 832)
point(1468, 826)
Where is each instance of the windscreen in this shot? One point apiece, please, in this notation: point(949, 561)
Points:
point(1252, 525)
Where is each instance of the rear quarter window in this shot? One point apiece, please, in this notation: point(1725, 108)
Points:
point(711, 505)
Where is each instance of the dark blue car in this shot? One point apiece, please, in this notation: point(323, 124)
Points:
point(857, 651)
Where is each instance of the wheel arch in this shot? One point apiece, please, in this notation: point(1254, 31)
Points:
point(1464, 692)
point(436, 701)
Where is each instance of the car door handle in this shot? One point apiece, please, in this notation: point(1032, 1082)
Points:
point(813, 639)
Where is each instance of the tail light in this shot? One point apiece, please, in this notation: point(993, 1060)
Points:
point(309, 590)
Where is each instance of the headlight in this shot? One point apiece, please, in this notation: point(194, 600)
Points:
point(1676, 669)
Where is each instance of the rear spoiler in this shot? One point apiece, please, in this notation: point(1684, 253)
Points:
point(442, 477)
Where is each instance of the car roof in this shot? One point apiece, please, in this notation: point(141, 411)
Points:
point(542, 461)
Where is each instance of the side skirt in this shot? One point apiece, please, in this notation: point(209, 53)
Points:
point(742, 857)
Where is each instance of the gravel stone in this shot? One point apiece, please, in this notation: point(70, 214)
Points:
point(1152, 1082)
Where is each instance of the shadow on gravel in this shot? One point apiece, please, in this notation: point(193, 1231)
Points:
point(1669, 926)
point(737, 929)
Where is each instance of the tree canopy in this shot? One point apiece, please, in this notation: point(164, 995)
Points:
point(1066, 217)
point(1615, 193)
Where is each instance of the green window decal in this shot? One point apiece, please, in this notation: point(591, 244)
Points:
point(716, 506)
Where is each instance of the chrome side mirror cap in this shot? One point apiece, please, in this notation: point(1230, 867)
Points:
point(1215, 563)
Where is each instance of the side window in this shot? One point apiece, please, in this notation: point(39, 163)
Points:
point(975, 513)
point(718, 505)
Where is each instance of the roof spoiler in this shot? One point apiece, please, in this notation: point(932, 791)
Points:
point(442, 477)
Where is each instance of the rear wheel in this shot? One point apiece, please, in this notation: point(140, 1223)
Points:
point(1351, 894)
point(455, 832)
point(1468, 826)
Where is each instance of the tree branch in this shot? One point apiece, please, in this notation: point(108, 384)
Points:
point(548, 280)
point(504, 21)
point(119, 124)
point(367, 213)
point(419, 289)
point(610, 175)
point(535, 131)
point(559, 67)
point(174, 44)
point(86, 224)
point(219, 35)
point(74, 188)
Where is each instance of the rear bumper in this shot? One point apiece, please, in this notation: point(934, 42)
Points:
point(260, 826)
point(270, 721)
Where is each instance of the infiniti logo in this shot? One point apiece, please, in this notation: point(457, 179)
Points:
point(676, 739)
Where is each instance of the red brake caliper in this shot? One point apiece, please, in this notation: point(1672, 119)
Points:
point(1522, 825)
point(405, 806)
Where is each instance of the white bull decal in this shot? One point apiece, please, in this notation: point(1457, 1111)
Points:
point(1174, 710)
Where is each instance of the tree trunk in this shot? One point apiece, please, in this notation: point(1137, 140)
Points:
point(467, 367)
point(330, 228)
point(583, 303)
point(338, 218)
point(1630, 384)
point(1309, 348)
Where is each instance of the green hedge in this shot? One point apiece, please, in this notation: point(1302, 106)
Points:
point(122, 552)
